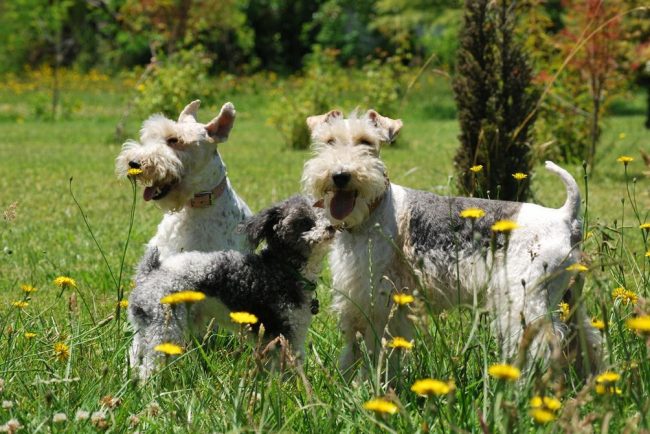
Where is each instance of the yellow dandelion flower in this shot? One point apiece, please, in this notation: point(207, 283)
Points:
point(169, 349)
point(477, 168)
point(504, 371)
point(380, 405)
point(547, 402)
point(28, 288)
point(243, 318)
point(519, 176)
point(621, 136)
point(536, 402)
point(602, 389)
point(133, 172)
point(552, 403)
point(647, 254)
point(472, 213)
point(565, 309)
point(542, 416)
point(625, 159)
point(30, 335)
point(624, 296)
point(183, 297)
point(61, 351)
point(20, 304)
point(123, 303)
point(65, 282)
point(608, 377)
point(630, 365)
point(645, 226)
point(428, 387)
point(400, 343)
point(504, 226)
point(598, 323)
point(402, 299)
point(577, 267)
point(639, 324)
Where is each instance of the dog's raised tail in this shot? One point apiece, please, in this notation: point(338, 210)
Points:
point(572, 204)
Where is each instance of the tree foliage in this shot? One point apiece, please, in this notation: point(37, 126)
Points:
point(422, 27)
point(495, 102)
point(584, 59)
point(346, 26)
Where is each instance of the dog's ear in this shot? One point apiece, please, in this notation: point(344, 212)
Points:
point(189, 112)
point(219, 127)
point(314, 121)
point(150, 261)
point(260, 226)
point(390, 127)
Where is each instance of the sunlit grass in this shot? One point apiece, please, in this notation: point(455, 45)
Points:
point(64, 352)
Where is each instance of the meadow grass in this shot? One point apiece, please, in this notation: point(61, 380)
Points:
point(219, 387)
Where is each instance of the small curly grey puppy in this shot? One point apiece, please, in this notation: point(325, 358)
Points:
point(276, 285)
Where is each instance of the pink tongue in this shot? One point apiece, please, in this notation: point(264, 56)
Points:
point(342, 204)
point(148, 193)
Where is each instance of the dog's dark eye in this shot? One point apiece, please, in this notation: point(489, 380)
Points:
point(139, 313)
point(331, 141)
point(365, 142)
point(172, 141)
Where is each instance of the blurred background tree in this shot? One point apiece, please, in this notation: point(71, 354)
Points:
point(421, 27)
point(496, 102)
point(584, 52)
point(340, 53)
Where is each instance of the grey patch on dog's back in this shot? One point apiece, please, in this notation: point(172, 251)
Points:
point(435, 222)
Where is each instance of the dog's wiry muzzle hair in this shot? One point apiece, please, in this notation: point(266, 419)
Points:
point(160, 168)
point(176, 159)
point(346, 172)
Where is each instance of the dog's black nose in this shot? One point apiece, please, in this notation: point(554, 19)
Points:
point(341, 179)
point(134, 165)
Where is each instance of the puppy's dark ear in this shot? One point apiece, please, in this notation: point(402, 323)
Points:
point(150, 261)
point(260, 226)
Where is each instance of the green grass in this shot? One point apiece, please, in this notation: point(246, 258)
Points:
point(222, 389)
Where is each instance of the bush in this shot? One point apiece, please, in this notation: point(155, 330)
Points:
point(326, 85)
point(175, 81)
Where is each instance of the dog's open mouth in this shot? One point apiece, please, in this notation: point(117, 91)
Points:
point(156, 192)
point(342, 203)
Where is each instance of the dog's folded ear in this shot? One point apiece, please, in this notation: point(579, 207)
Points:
point(150, 261)
point(261, 225)
point(219, 127)
point(314, 121)
point(189, 112)
point(390, 127)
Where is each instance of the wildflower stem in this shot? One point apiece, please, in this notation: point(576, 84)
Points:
point(120, 290)
point(92, 234)
point(585, 217)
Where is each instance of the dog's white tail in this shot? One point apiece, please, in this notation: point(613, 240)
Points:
point(572, 204)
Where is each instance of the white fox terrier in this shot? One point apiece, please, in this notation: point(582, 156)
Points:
point(397, 239)
point(180, 166)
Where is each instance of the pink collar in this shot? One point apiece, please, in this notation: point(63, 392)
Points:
point(205, 199)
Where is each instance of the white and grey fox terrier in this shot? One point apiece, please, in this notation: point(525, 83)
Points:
point(277, 284)
point(179, 164)
point(397, 239)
